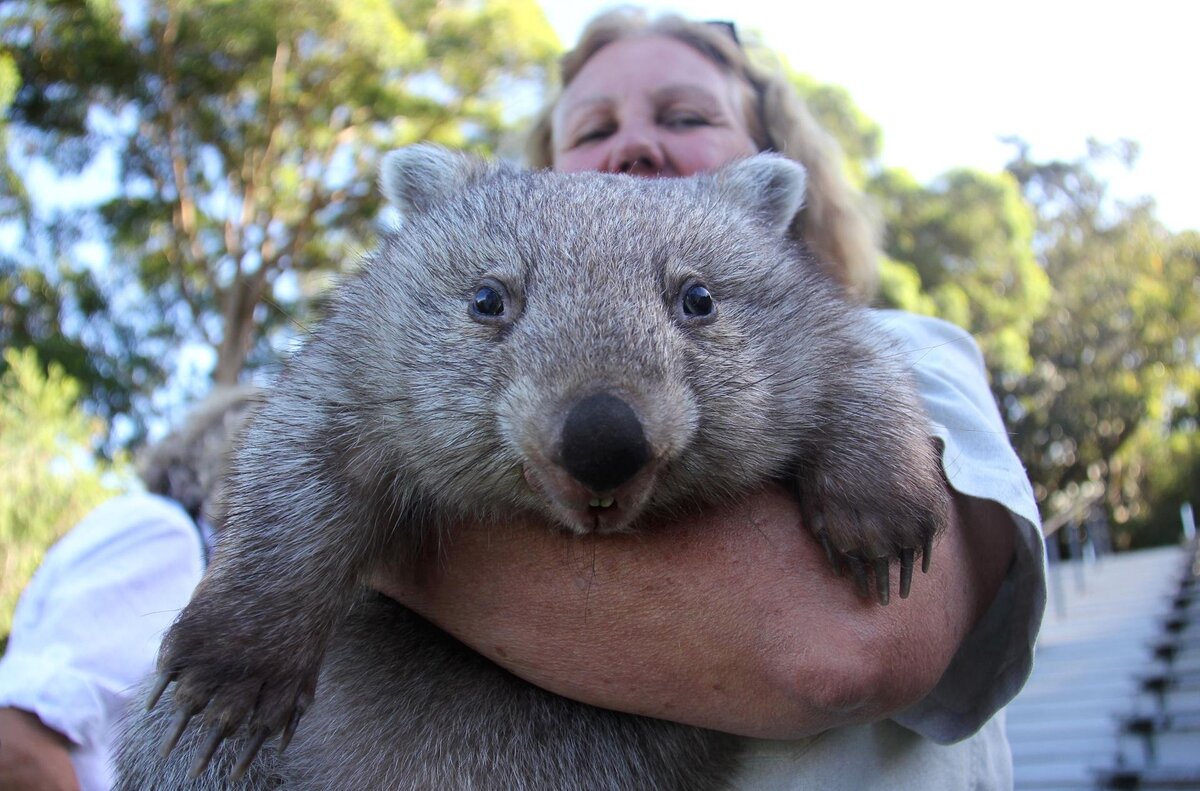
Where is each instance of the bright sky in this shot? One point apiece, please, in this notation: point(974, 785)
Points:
point(946, 79)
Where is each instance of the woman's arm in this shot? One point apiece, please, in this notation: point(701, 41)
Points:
point(86, 630)
point(32, 756)
point(732, 620)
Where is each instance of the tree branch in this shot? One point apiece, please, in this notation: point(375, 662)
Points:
point(185, 213)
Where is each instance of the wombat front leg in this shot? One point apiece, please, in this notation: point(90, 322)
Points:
point(229, 673)
point(871, 498)
point(246, 650)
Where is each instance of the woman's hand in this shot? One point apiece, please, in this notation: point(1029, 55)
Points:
point(730, 620)
point(32, 756)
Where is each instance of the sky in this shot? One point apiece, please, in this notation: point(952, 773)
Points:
point(946, 80)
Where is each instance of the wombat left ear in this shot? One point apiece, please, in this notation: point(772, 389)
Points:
point(416, 177)
point(770, 185)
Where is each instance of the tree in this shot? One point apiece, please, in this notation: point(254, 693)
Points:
point(961, 248)
point(48, 477)
point(1171, 477)
point(244, 138)
point(1086, 312)
point(1115, 378)
point(12, 196)
point(859, 137)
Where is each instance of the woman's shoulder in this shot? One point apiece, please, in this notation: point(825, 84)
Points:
point(929, 334)
point(126, 522)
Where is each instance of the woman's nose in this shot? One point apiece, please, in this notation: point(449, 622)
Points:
point(635, 151)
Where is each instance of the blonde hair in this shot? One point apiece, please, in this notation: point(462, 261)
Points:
point(190, 463)
point(833, 223)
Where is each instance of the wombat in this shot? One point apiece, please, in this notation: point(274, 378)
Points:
point(589, 348)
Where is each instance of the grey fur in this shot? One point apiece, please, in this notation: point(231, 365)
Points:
point(465, 723)
point(408, 412)
point(189, 464)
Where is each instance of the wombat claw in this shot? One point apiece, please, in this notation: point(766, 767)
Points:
point(883, 580)
point(220, 731)
point(178, 726)
point(253, 745)
point(906, 569)
point(289, 730)
point(216, 735)
point(881, 565)
point(830, 553)
point(859, 570)
point(161, 683)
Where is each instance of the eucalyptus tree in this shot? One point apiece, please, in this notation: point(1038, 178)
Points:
point(232, 147)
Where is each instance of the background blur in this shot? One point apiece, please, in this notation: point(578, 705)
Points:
point(182, 179)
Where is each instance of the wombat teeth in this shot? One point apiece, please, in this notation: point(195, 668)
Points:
point(601, 502)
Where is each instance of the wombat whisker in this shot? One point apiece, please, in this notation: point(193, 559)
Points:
point(591, 579)
point(286, 314)
point(746, 385)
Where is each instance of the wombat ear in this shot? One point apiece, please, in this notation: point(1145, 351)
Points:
point(416, 177)
point(770, 185)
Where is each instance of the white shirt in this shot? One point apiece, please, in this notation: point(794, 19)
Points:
point(87, 627)
point(954, 738)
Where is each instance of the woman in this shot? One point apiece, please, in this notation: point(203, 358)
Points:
point(735, 622)
point(87, 627)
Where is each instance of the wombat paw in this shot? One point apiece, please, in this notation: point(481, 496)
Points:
point(866, 541)
point(263, 704)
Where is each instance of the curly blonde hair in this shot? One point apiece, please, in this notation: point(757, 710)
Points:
point(833, 223)
point(189, 464)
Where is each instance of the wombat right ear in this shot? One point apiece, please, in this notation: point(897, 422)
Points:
point(770, 185)
point(418, 176)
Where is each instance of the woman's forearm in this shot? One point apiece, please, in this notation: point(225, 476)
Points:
point(731, 620)
point(32, 756)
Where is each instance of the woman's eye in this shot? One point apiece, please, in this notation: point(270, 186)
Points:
point(592, 135)
point(687, 121)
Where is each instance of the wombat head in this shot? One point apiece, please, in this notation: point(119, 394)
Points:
point(585, 345)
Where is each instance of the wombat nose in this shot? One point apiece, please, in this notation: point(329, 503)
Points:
point(603, 445)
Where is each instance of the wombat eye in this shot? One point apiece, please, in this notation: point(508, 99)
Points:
point(697, 301)
point(488, 301)
point(491, 303)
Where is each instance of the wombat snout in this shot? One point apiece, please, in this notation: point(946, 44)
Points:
point(603, 444)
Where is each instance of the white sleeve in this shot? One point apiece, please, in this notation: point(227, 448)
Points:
point(87, 627)
point(995, 660)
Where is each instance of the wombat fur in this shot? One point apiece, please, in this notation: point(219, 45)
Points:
point(588, 348)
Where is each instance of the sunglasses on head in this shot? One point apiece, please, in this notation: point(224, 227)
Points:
point(726, 27)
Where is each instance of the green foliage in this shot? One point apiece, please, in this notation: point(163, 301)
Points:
point(37, 303)
point(1087, 311)
point(245, 138)
point(900, 287)
point(13, 198)
point(967, 238)
point(860, 138)
point(960, 248)
point(1112, 394)
point(9, 80)
point(48, 477)
point(1172, 477)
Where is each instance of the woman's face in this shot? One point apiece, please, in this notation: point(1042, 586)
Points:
point(650, 106)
